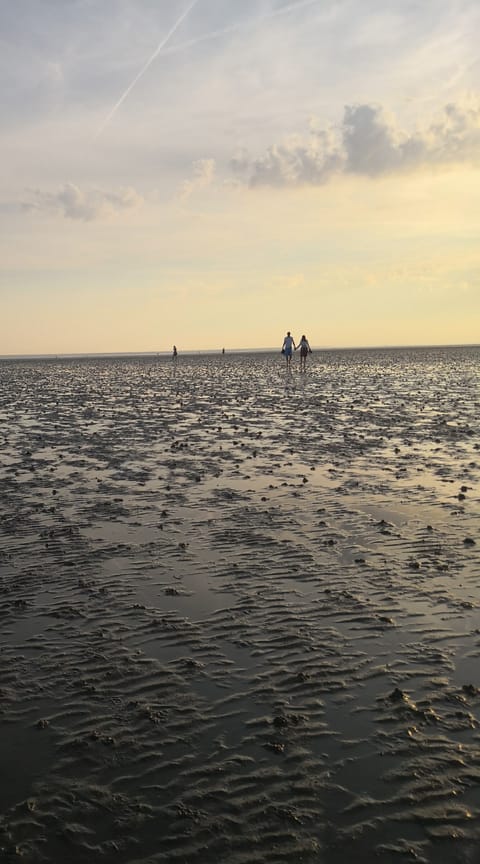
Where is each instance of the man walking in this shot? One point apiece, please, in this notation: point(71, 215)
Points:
point(288, 348)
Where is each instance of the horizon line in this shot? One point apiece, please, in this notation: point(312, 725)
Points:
point(219, 351)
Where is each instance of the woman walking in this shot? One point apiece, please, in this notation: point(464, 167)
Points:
point(304, 350)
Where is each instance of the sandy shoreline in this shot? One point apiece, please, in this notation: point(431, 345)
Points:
point(241, 609)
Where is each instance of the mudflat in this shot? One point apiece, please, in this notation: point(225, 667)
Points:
point(240, 608)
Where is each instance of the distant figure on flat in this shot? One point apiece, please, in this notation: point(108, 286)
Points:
point(288, 347)
point(175, 353)
point(304, 350)
point(223, 350)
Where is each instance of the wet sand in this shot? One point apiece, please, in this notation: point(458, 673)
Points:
point(240, 609)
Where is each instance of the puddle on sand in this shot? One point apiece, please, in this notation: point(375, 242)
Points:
point(121, 532)
point(18, 774)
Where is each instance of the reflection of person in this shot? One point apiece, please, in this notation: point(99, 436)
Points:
point(304, 350)
point(287, 348)
point(175, 353)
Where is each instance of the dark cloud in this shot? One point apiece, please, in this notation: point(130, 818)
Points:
point(73, 203)
point(371, 145)
point(366, 143)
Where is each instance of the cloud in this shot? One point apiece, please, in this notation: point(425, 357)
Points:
point(371, 142)
point(368, 142)
point(203, 175)
point(73, 203)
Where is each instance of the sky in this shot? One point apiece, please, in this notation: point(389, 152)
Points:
point(215, 173)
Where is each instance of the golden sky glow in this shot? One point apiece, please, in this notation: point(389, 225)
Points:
point(246, 184)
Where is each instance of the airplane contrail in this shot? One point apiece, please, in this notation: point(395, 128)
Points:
point(214, 34)
point(144, 68)
point(241, 25)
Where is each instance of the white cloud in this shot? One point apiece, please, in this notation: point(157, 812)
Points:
point(203, 174)
point(73, 203)
point(368, 142)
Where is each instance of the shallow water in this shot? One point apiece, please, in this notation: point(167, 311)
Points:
point(240, 608)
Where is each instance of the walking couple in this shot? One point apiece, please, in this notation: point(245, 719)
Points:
point(289, 346)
